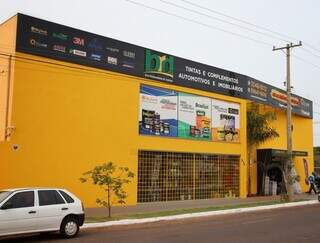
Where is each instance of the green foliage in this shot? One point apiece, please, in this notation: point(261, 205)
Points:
point(259, 129)
point(111, 179)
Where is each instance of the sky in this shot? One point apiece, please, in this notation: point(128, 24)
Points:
point(204, 34)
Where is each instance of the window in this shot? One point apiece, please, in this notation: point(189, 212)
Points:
point(66, 196)
point(4, 195)
point(169, 176)
point(49, 197)
point(21, 200)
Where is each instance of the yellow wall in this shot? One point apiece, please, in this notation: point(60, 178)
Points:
point(302, 140)
point(7, 47)
point(68, 120)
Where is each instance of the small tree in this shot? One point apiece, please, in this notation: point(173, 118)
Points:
point(111, 179)
point(259, 130)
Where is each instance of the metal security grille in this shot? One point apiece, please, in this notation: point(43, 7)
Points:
point(168, 176)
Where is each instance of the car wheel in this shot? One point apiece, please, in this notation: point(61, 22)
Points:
point(69, 227)
point(319, 197)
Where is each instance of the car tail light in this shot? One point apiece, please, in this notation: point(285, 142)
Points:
point(82, 206)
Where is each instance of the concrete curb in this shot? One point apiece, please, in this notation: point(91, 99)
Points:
point(195, 215)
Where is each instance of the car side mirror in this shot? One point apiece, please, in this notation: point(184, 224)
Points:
point(7, 205)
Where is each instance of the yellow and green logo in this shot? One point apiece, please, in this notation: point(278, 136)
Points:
point(158, 64)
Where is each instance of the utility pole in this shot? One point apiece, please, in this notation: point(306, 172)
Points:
point(288, 162)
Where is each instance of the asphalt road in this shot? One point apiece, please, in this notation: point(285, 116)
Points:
point(298, 224)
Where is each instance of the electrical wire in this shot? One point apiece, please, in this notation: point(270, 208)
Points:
point(200, 23)
point(249, 23)
point(224, 21)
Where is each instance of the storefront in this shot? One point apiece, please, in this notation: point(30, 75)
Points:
point(72, 99)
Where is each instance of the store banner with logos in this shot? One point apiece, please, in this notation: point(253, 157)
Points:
point(225, 121)
point(270, 95)
point(47, 39)
point(194, 120)
point(158, 112)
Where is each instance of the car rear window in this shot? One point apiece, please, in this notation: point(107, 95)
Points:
point(49, 197)
point(4, 195)
point(67, 197)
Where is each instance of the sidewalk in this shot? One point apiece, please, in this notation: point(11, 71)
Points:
point(301, 200)
point(190, 204)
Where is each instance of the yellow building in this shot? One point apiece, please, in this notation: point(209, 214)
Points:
point(70, 100)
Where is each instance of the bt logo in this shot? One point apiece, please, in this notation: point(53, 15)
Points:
point(158, 64)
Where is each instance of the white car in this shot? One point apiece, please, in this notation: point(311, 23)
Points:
point(31, 210)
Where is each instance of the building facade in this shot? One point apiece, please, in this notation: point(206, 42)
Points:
point(70, 100)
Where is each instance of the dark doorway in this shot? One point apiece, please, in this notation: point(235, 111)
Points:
point(275, 174)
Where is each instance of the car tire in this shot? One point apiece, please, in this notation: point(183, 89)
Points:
point(319, 197)
point(69, 227)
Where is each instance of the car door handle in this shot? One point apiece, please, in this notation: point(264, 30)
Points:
point(64, 208)
point(31, 212)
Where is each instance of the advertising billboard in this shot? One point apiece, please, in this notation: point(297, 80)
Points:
point(158, 112)
point(194, 119)
point(225, 121)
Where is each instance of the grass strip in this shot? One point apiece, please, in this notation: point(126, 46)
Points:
point(181, 211)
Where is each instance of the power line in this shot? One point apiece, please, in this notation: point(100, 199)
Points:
point(303, 60)
point(200, 23)
point(224, 21)
point(249, 23)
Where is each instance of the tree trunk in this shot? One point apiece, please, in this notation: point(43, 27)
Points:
point(109, 204)
point(288, 180)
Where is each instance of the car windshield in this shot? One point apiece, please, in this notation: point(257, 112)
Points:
point(4, 195)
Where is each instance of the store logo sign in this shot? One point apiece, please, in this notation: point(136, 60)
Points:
point(112, 49)
point(129, 54)
point(95, 57)
point(78, 41)
point(158, 65)
point(33, 42)
point(128, 64)
point(60, 36)
point(59, 48)
point(112, 60)
point(282, 97)
point(78, 52)
point(38, 31)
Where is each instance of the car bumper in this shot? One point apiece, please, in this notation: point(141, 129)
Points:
point(81, 218)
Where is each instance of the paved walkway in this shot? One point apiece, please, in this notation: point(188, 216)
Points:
point(189, 204)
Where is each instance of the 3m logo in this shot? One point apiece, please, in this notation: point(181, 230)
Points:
point(156, 66)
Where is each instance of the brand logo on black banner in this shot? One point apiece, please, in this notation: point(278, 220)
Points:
point(60, 36)
point(158, 66)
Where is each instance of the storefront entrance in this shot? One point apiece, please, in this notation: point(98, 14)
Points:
point(169, 176)
point(270, 163)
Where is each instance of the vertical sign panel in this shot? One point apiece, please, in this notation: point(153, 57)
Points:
point(225, 121)
point(158, 112)
point(194, 117)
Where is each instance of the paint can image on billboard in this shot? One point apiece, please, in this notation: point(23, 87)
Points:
point(225, 121)
point(194, 117)
point(158, 112)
